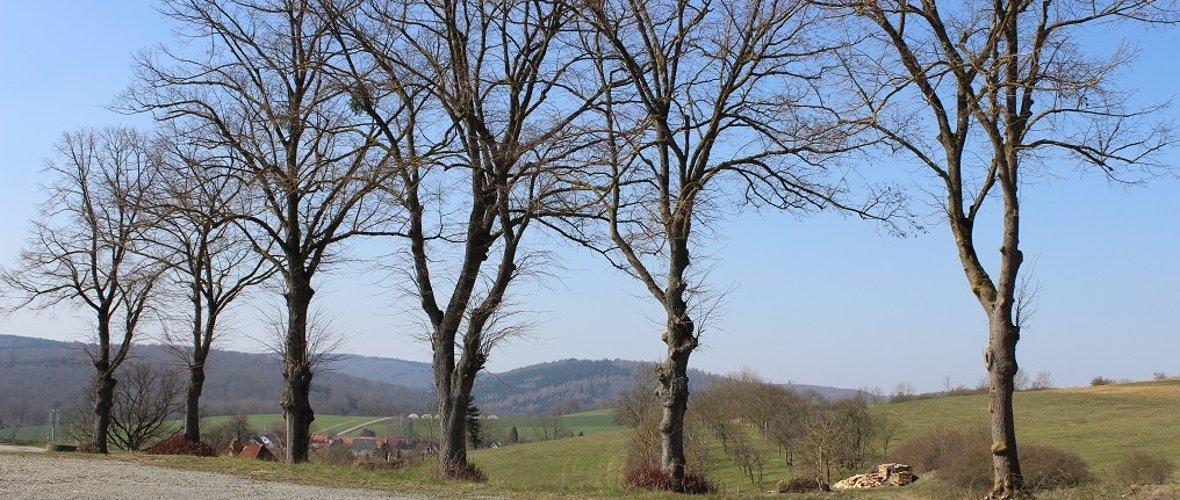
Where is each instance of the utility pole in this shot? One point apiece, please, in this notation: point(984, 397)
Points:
point(53, 426)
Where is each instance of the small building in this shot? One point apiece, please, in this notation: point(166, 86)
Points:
point(252, 450)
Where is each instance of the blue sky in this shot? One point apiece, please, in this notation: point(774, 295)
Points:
point(820, 300)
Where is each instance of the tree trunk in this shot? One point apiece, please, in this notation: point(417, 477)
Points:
point(453, 442)
point(297, 373)
point(103, 403)
point(673, 391)
point(1001, 367)
point(192, 402)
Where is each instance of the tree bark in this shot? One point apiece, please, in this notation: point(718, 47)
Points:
point(1001, 365)
point(297, 371)
point(673, 374)
point(673, 391)
point(192, 401)
point(103, 403)
point(453, 445)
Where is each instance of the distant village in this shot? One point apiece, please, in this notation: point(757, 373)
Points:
point(356, 450)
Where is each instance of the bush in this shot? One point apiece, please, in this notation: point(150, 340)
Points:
point(653, 477)
point(1048, 468)
point(179, 445)
point(801, 485)
point(1100, 380)
point(1141, 467)
point(963, 458)
point(465, 472)
point(959, 456)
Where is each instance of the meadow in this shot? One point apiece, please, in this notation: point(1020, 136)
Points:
point(1099, 423)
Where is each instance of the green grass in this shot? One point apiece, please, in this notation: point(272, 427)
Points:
point(588, 423)
point(30, 434)
point(1100, 423)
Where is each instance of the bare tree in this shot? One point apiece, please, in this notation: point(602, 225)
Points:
point(980, 92)
point(258, 94)
point(210, 261)
point(146, 399)
point(477, 103)
point(88, 248)
point(707, 99)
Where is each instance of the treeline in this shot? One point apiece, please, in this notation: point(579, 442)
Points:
point(571, 385)
point(41, 375)
point(458, 130)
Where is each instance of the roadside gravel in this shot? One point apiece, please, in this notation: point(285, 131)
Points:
point(55, 476)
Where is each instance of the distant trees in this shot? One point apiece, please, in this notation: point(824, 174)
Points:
point(237, 427)
point(979, 93)
point(88, 249)
point(146, 399)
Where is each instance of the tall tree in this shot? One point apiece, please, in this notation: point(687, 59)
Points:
point(259, 93)
point(88, 248)
point(978, 93)
point(210, 261)
point(477, 104)
point(708, 98)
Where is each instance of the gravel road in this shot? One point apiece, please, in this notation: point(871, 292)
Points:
point(50, 475)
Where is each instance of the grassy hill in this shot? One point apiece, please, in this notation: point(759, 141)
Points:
point(1100, 423)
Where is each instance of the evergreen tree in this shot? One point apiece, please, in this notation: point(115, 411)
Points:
point(513, 436)
point(473, 429)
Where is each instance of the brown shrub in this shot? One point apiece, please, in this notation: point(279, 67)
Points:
point(179, 445)
point(963, 458)
point(801, 485)
point(1141, 467)
point(1048, 468)
point(653, 477)
point(959, 456)
point(465, 472)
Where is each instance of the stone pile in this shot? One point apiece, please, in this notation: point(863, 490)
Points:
point(886, 475)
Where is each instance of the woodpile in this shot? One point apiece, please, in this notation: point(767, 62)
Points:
point(886, 475)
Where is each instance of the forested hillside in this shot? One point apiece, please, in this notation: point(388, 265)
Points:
point(37, 375)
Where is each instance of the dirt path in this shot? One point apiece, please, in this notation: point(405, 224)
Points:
point(13, 448)
point(50, 475)
point(355, 427)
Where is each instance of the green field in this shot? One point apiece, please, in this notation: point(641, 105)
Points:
point(1100, 423)
point(588, 423)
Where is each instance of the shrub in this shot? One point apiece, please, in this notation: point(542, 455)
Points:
point(801, 485)
point(1048, 468)
point(1100, 380)
point(466, 472)
point(179, 445)
point(959, 455)
point(1141, 467)
point(653, 477)
point(962, 458)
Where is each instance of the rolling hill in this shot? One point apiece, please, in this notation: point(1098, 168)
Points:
point(38, 374)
